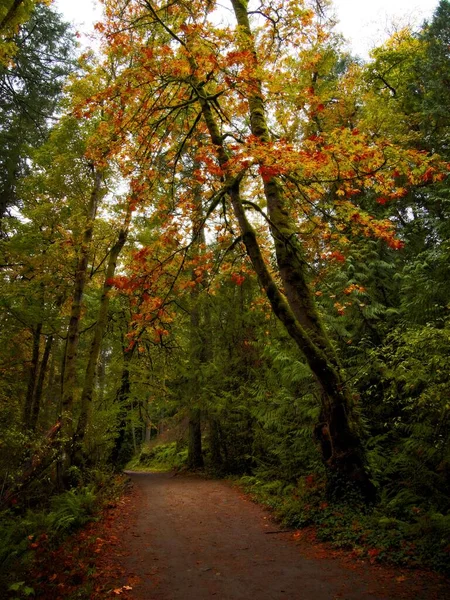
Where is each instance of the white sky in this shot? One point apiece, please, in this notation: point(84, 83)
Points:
point(365, 23)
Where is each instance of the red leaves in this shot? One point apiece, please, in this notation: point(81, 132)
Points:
point(395, 244)
point(237, 278)
point(373, 553)
point(268, 172)
point(120, 282)
point(428, 175)
point(335, 255)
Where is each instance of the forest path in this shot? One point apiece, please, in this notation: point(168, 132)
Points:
point(186, 538)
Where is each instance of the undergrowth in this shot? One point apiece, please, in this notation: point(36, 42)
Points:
point(27, 533)
point(380, 534)
point(163, 457)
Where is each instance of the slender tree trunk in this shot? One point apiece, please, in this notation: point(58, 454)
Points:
point(89, 380)
point(69, 369)
point(27, 411)
point(53, 387)
point(40, 383)
point(214, 444)
point(197, 355)
point(122, 399)
point(101, 378)
point(195, 454)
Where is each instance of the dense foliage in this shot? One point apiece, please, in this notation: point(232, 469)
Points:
point(232, 238)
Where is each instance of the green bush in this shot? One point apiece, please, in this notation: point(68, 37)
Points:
point(22, 534)
point(418, 539)
point(162, 457)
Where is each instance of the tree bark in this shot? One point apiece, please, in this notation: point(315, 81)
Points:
point(214, 444)
point(27, 417)
point(195, 454)
point(197, 358)
point(89, 379)
point(122, 399)
point(10, 14)
point(69, 367)
point(40, 383)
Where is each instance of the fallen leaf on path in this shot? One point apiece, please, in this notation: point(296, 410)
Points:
point(119, 591)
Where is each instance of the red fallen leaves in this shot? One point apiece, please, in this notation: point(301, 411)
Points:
point(84, 563)
point(373, 553)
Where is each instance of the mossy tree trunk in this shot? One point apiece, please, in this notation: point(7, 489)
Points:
point(36, 406)
point(120, 455)
point(71, 352)
point(339, 431)
point(32, 377)
point(96, 344)
point(198, 352)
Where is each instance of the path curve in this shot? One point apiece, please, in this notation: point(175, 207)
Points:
point(189, 538)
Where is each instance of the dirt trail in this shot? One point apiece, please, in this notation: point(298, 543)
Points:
point(192, 539)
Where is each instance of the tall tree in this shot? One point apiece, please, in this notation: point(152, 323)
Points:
point(30, 89)
point(234, 88)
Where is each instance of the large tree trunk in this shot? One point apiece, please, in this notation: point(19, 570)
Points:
point(89, 379)
point(339, 430)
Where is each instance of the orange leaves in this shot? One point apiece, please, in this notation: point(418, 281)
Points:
point(359, 222)
point(121, 590)
point(354, 288)
point(239, 57)
point(395, 243)
point(120, 282)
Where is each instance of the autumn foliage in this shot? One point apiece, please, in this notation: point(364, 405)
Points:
point(237, 228)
